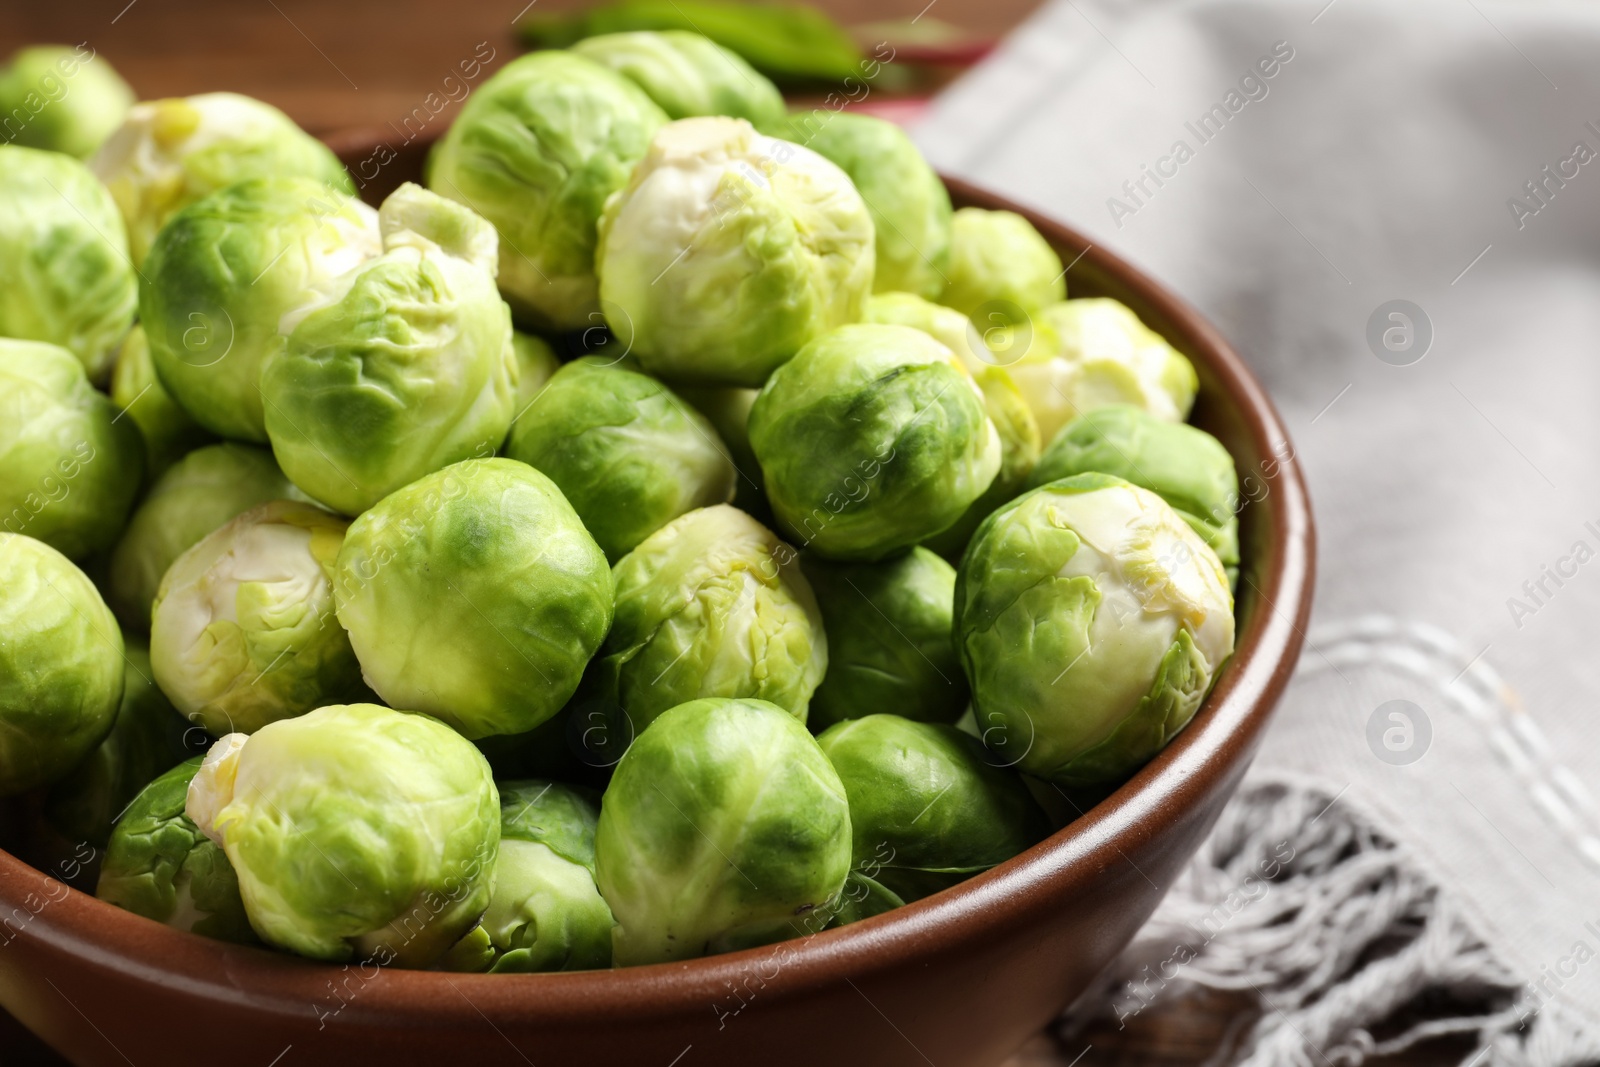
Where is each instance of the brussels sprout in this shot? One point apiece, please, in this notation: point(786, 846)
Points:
point(202, 491)
point(169, 432)
point(1001, 269)
point(65, 277)
point(536, 150)
point(1008, 410)
point(60, 665)
point(170, 153)
point(1086, 354)
point(59, 99)
point(946, 325)
point(687, 74)
point(1091, 622)
point(161, 866)
point(242, 631)
point(728, 251)
point(545, 913)
point(1186, 467)
point(408, 367)
point(536, 365)
point(872, 439)
point(728, 408)
point(909, 205)
point(223, 274)
point(928, 808)
point(475, 594)
point(1019, 451)
point(627, 453)
point(724, 827)
point(355, 831)
point(710, 605)
point(560, 817)
point(69, 463)
point(147, 737)
point(889, 645)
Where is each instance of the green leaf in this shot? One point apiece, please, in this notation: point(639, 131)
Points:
point(789, 43)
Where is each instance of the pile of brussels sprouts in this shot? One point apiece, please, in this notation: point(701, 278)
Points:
point(672, 530)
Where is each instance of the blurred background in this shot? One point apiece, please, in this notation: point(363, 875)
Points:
point(398, 69)
point(363, 64)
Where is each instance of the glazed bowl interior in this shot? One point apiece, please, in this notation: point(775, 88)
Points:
point(1114, 859)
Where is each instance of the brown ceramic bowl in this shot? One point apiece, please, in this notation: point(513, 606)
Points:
point(958, 980)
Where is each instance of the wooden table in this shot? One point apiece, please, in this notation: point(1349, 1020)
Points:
point(371, 63)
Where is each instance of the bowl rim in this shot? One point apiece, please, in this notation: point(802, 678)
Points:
point(1016, 894)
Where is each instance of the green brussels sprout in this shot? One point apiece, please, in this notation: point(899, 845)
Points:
point(242, 631)
point(69, 463)
point(476, 595)
point(169, 432)
point(928, 808)
point(60, 665)
point(1091, 622)
point(728, 408)
point(147, 736)
point(59, 99)
point(626, 451)
point(170, 153)
point(356, 831)
point(1019, 452)
point(545, 913)
point(728, 251)
point(871, 439)
point(710, 605)
point(1186, 467)
point(536, 365)
point(1008, 410)
point(1001, 269)
point(946, 325)
point(161, 866)
point(407, 368)
point(1088, 353)
point(223, 274)
point(202, 491)
point(687, 74)
point(889, 646)
point(536, 150)
point(909, 205)
point(744, 778)
point(65, 277)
